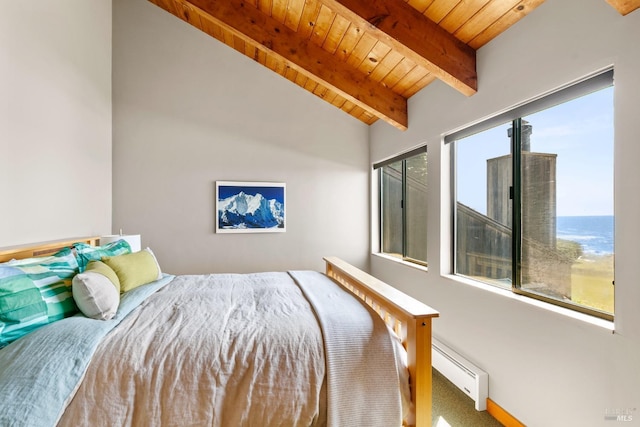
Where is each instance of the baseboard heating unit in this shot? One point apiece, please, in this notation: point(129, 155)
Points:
point(472, 380)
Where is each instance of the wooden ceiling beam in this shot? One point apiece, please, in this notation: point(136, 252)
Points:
point(248, 23)
point(403, 28)
point(624, 6)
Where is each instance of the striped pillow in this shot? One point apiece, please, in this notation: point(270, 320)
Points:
point(86, 253)
point(35, 292)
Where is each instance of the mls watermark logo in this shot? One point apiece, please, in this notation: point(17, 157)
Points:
point(619, 414)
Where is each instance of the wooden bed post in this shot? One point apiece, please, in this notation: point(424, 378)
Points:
point(408, 317)
point(419, 360)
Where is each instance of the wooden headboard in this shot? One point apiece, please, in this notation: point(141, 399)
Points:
point(42, 249)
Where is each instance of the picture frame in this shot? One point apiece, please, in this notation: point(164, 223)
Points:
point(250, 207)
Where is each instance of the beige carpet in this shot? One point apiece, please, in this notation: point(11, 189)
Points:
point(451, 407)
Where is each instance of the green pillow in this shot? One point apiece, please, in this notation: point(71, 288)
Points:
point(86, 253)
point(34, 292)
point(22, 308)
point(135, 269)
point(97, 291)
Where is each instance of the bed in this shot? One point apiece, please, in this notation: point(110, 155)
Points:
point(152, 318)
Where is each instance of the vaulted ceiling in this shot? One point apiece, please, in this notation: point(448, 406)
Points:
point(366, 57)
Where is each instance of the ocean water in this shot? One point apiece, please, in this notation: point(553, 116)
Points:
point(594, 233)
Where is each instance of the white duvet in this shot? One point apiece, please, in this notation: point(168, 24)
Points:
point(198, 353)
point(241, 350)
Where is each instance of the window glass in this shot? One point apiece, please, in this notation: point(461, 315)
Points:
point(483, 208)
point(546, 230)
point(391, 189)
point(403, 196)
point(416, 207)
point(567, 201)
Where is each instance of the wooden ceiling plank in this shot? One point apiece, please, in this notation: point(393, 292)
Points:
point(211, 28)
point(348, 106)
point(336, 34)
point(439, 9)
point(323, 24)
point(406, 30)
point(348, 42)
point(419, 85)
point(265, 6)
point(167, 5)
point(256, 54)
point(311, 85)
point(366, 117)
point(420, 5)
point(321, 90)
point(238, 44)
point(309, 17)
point(400, 70)
point(251, 51)
point(356, 112)
point(462, 13)
point(186, 13)
point(262, 56)
point(279, 66)
point(279, 10)
point(505, 21)
point(290, 73)
point(294, 14)
point(410, 79)
point(338, 101)
point(385, 66)
point(361, 50)
point(374, 57)
point(227, 37)
point(483, 19)
point(624, 7)
point(330, 96)
point(253, 26)
point(301, 80)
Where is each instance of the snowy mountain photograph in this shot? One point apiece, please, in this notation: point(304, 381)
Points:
point(248, 207)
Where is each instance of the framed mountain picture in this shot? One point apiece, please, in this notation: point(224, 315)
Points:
point(250, 207)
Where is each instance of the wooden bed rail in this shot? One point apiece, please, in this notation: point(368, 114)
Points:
point(408, 317)
point(41, 249)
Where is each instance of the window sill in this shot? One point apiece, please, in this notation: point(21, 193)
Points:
point(401, 261)
point(602, 323)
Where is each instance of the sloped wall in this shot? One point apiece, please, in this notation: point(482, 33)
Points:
point(190, 111)
point(55, 120)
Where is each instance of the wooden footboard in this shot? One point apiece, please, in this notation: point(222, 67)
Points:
point(408, 317)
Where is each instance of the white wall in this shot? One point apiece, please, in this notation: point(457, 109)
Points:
point(55, 119)
point(188, 111)
point(546, 368)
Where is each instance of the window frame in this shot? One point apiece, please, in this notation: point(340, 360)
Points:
point(593, 83)
point(377, 167)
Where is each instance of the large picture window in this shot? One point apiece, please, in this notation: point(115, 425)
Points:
point(534, 199)
point(403, 206)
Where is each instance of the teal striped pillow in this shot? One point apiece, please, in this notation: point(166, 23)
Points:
point(86, 253)
point(35, 292)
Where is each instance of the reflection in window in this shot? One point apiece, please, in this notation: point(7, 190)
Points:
point(534, 203)
point(403, 195)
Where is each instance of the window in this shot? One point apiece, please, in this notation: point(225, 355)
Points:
point(403, 206)
point(534, 199)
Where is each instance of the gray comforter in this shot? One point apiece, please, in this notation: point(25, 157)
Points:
point(268, 349)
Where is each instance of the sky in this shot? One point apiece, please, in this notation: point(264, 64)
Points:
point(580, 132)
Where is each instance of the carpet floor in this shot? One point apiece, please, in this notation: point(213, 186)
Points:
point(453, 408)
